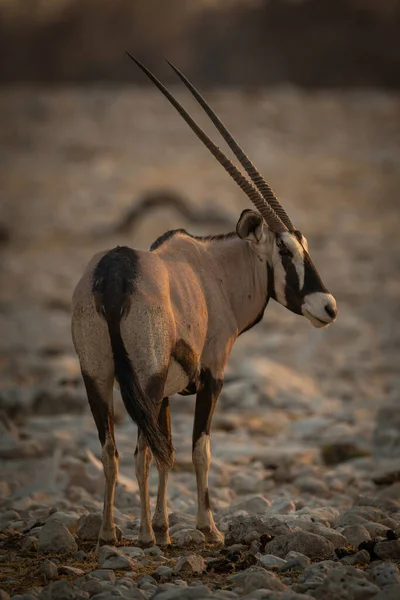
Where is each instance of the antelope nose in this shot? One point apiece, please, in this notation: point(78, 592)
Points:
point(331, 311)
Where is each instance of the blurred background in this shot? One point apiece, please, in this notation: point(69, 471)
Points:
point(92, 156)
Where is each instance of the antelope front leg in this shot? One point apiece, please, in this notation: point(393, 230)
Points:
point(205, 404)
point(143, 457)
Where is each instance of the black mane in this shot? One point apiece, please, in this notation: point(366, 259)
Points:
point(208, 238)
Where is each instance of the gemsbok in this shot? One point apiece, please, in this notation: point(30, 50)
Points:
point(163, 321)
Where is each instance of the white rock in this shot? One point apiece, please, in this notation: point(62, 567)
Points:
point(184, 537)
point(269, 560)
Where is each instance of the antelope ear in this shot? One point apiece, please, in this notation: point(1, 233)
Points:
point(250, 226)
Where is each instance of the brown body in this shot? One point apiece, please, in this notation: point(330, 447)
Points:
point(178, 328)
point(164, 322)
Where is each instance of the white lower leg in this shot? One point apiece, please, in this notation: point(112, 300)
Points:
point(142, 466)
point(201, 462)
point(109, 457)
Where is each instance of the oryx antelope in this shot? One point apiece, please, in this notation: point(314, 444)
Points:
point(163, 321)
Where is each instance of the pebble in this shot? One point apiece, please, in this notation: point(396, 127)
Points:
point(390, 592)
point(346, 583)
point(384, 574)
point(88, 527)
point(388, 549)
point(164, 573)
point(355, 534)
point(185, 537)
point(111, 558)
point(54, 537)
point(359, 558)
point(269, 560)
point(191, 564)
point(48, 569)
point(255, 578)
point(312, 545)
point(29, 543)
point(70, 520)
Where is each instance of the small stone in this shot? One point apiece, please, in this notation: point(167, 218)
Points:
point(111, 558)
point(388, 549)
point(281, 506)
point(29, 543)
point(390, 592)
point(311, 485)
point(338, 452)
point(4, 595)
point(63, 590)
point(54, 537)
point(346, 583)
point(92, 587)
point(88, 527)
point(269, 560)
point(163, 573)
point(182, 592)
point(252, 536)
point(132, 551)
point(295, 561)
point(144, 580)
point(256, 504)
point(190, 565)
point(312, 545)
point(185, 537)
point(256, 578)
point(70, 519)
point(355, 534)
point(384, 573)
point(67, 570)
point(48, 569)
point(361, 557)
point(104, 575)
point(153, 551)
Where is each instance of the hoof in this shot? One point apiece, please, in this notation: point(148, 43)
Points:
point(163, 539)
point(146, 542)
point(212, 535)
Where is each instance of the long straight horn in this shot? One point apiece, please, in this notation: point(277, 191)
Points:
point(272, 219)
point(244, 160)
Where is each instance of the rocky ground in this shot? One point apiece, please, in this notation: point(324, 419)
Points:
point(305, 475)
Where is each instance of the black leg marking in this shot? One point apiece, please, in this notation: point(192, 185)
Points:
point(207, 500)
point(205, 404)
point(187, 358)
point(101, 411)
point(164, 419)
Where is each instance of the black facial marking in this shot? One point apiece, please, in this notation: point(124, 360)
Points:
point(312, 280)
point(205, 404)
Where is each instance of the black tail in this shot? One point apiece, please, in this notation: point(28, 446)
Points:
point(113, 284)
